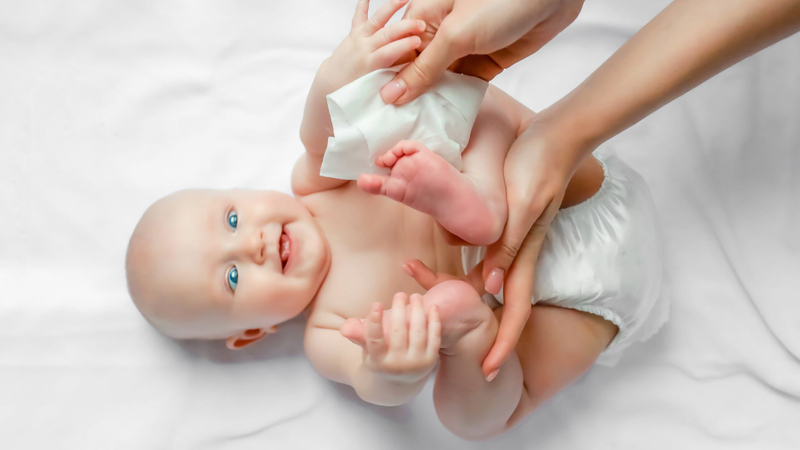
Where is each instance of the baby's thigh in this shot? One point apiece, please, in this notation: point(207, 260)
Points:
point(556, 347)
point(492, 136)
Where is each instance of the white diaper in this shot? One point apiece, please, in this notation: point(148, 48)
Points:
point(603, 256)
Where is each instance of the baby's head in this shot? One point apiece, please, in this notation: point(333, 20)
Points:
point(205, 264)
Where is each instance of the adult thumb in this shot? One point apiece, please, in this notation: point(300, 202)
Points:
point(419, 75)
point(501, 254)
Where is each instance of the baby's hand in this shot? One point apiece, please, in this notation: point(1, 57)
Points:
point(412, 347)
point(371, 45)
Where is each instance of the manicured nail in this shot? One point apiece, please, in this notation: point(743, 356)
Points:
point(407, 270)
point(392, 91)
point(492, 375)
point(495, 281)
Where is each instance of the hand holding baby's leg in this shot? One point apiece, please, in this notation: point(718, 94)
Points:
point(466, 403)
point(426, 182)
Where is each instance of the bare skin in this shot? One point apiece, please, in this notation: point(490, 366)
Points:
point(556, 347)
point(336, 253)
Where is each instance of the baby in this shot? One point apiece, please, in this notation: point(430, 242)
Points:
point(235, 264)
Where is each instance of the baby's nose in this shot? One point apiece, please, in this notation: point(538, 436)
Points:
point(256, 248)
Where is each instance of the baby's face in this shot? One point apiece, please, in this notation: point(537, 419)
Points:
point(220, 262)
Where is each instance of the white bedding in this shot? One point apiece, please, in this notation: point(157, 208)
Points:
point(106, 105)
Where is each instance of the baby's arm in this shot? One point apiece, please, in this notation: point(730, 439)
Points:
point(370, 46)
point(389, 358)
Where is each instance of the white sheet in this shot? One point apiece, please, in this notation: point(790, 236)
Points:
point(107, 105)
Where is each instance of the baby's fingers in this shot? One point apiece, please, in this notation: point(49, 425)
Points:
point(388, 55)
point(382, 15)
point(362, 12)
point(398, 340)
point(417, 328)
point(434, 331)
point(376, 345)
point(397, 30)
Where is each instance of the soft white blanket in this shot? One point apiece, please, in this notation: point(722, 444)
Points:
point(106, 105)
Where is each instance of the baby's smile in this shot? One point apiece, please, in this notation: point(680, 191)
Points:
point(285, 248)
point(210, 263)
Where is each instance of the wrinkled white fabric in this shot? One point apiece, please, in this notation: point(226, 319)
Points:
point(364, 127)
point(603, 256)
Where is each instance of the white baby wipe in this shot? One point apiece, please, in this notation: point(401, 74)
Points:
point(364, 127)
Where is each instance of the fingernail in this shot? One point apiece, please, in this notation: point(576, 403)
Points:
point(495, 281)
point(492, 375)
point(408, 270)
point(392, 91)
point(421, 25)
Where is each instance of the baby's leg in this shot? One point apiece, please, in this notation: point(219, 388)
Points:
point(470, 204)
point(556, 347)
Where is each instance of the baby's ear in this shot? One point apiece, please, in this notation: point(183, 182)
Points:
point(247, 337)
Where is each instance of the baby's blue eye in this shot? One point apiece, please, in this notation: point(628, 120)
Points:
point(233, 219)
point(233, 278)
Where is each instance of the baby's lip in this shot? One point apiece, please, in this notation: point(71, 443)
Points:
point(284, 248)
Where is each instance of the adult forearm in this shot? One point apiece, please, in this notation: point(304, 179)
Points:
point(687, 43)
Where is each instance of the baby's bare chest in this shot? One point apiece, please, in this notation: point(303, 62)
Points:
point(370, 238)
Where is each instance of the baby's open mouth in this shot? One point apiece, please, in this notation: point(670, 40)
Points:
point(284, 249)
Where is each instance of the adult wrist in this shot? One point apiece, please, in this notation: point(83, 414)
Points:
point(578, 125)
point(565, 132)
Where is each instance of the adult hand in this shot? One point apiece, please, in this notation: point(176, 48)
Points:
point(476, 37)
point(538, 168)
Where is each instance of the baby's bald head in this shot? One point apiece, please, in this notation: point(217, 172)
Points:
point(158, 259)
point(212, 264)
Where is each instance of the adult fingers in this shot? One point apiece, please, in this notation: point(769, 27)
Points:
point(517, 294)
point(376, 346)
point(475, 279)
point(382, 15)
point(427, 68)
point(423, 275)
point(522, 213)
point(516, 308)
point(481, 66)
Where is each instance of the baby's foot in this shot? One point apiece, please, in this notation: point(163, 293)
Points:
point(465, 318)
point(463, 315)
point(426, 182)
